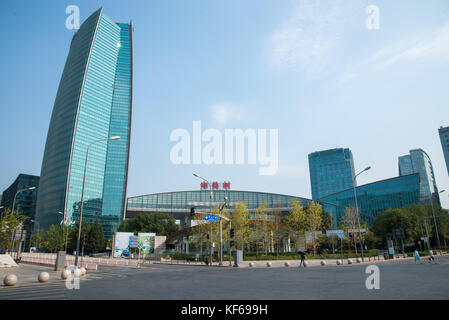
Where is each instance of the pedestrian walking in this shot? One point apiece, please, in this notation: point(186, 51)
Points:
point(416, 255)
point(431, 257)
point(303, 258)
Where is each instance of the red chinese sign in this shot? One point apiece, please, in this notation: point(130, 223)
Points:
point(216, 185)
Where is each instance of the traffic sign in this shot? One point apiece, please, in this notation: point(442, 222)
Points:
point(210, 217)
point(139, 246)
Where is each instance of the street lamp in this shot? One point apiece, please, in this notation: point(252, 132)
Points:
point(38, 228)
point(435, 220)
point(211, 196)
point(357, 210)
point(14, 202)
point(82, 195)
point(64, 222)
point(221, 229)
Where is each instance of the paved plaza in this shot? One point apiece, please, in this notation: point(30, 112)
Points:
point(398, 280)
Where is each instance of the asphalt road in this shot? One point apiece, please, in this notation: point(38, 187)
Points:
point(398, 280)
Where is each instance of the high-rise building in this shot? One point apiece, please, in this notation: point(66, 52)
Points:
point(330, 171)
point(418, 161)
point(93, 102)
point(25, 200)
point(444, 137)
point(375, 197)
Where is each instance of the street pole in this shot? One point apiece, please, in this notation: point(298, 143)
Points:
point(14, 204)
point(82, 196)
point(230, 249)
point(435, 222)
point(221, 230)
point(427, 235)
point(357, 211)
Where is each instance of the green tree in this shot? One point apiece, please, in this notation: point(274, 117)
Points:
point(95, 241)
point(9, 222)
point(54, 238)
point(160, 223)
point(241, 224)
point(314, 221)
point(73, 235)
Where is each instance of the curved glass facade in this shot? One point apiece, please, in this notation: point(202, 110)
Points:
point(94, 101)
point(179, 203)
point(378, 196)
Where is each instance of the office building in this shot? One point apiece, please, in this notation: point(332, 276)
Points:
point(418, 161)
point(93, 103)
point(444, 137)
point(330, 171)
point(375, 197)
point(25, 200)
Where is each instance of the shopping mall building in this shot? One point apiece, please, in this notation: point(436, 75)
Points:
point(372, 199)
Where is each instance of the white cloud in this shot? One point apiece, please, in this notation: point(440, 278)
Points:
point(434, 45)
point(224, 112)
point(310, 37)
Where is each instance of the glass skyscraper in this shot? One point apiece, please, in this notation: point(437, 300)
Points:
point(94, 101)
point(373, 198)
point(418, 161)
point(444, 137)
point(25, 201)
point(330, 171)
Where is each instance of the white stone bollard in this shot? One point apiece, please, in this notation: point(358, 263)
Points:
point(323, 263)
point(43, 277)
point(349, 261)
point(358, 260)
point(251, 264)
point(268, 264)
point(339, 262)
point(65, 274)
point(83, 271)
point(287, 264)
point(10, 280)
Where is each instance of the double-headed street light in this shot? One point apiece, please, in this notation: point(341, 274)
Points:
point(435, 220)
point(82, 195)
point(357, 210)
point(38, 228)
point(211, 196)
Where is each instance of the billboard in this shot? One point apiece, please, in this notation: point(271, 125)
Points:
point(121, 244)
point(147, 241)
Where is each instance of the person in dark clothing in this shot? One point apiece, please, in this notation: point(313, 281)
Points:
point(303, 258)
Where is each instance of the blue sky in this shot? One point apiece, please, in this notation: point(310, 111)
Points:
point(310, 69)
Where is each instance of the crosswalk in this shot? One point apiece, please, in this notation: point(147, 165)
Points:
point(41, 291)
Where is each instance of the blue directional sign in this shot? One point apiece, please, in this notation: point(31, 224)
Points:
point(139, 246)
point(133, 241)
point(210, 217)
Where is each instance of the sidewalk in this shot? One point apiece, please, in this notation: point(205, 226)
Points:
point(27, 275)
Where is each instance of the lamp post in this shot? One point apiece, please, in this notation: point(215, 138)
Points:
point(221, 229)
point(211, 196)
point(38, 228)
point(64, 222)
point(435, 220)
point(357, 210)
point(14, 204)
point(82, 195)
